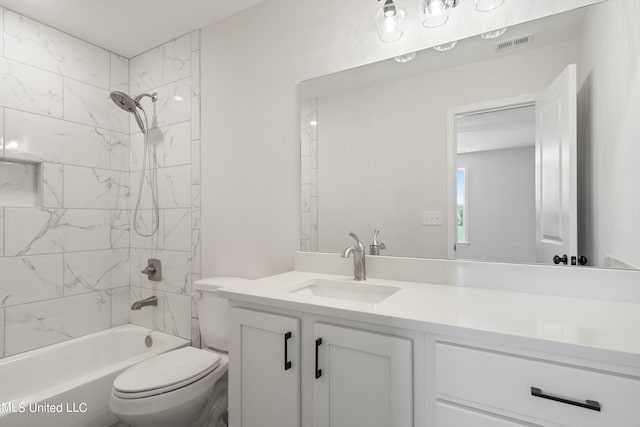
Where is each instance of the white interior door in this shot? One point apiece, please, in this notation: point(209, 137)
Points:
point(556, 199)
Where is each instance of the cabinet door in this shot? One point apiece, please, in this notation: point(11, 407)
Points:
point(453, 416)
point(264, 389)
point(362, 379)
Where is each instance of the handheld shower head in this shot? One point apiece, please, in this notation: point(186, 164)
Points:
point(124, 101)
point(131, 105)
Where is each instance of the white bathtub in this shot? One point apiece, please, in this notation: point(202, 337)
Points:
point(73, 376)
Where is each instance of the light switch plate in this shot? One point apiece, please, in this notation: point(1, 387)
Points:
point(432, 218)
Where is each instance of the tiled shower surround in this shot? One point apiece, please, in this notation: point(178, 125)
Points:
point(69, 262)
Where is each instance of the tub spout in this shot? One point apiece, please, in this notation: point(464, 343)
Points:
point(151, 301)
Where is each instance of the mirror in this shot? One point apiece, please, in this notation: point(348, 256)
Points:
point(521, 148)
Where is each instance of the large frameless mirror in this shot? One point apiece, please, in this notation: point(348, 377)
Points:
point(516, 146)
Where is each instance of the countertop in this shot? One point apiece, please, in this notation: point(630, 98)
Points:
point(594, 324)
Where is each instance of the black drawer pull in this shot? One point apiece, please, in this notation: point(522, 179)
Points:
point(318, 371)
point(588, 404)
point(287, 362)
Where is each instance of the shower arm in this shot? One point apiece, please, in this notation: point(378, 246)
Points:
point(153, 96)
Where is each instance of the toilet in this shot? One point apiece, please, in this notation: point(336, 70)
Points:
point(184, 387)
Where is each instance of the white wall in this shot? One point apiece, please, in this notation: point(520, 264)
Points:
point(609, 148)
point(502, 208)
point(251, 64)
point(382, 150)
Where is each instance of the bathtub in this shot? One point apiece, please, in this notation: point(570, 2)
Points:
point(68, 384)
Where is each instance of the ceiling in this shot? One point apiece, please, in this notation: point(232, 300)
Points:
point(127, 27)
point(496, 130)
point(545, 32)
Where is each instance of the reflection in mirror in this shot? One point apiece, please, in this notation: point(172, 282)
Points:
point(521, 148)
point(495, 174)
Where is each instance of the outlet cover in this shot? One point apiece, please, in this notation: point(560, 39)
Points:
point(432, 218)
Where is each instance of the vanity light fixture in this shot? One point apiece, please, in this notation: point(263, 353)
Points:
point(405, 58)
point(493, 34)
point(446, 46)
point(435, 13)
point(488, 5)
point(390, 21)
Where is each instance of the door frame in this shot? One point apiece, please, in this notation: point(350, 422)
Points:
point(452, 145)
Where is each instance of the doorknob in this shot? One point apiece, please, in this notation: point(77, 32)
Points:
point(560, 259)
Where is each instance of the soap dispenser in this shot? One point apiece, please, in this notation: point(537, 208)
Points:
point(375, 246)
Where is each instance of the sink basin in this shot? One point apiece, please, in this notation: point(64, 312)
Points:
point(348, 291)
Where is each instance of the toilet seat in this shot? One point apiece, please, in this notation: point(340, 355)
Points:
point(165, 373)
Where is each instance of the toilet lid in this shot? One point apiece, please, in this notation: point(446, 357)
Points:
point(166, 372)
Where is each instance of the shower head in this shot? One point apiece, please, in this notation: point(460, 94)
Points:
point(131, 105)
point(124, 101)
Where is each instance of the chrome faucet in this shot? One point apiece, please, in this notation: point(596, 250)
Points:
point(151, 301)
point(375, 246)
point(359, 270)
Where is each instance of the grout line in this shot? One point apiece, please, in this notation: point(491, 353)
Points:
point(9, 257)
point(62, 297)
point(63, 119)
point(63, 76)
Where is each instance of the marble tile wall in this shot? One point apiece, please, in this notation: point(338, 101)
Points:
point(64, 255)
point(173, 72)
point(309, 176)
point(69, 262)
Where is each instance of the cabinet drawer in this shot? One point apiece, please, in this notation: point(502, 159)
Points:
point(506, 383)
point(453, 416)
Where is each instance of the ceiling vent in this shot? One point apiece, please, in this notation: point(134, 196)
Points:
point(514, 43)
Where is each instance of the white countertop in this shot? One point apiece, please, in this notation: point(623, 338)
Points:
point(601, 325)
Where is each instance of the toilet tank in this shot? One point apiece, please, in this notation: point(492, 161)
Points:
point(213, 311)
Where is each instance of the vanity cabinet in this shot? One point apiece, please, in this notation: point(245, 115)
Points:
point(264, 374)
point(448, 415)
point(361, 379)
point(521, 387)
point(355, 377)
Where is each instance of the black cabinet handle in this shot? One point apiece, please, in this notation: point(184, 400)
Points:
point(318, 371)
point(560, 259)
point(587, 404)
point(287, 362)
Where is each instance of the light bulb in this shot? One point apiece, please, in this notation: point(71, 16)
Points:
point(434, 13)
point(390, 21)
point(493, 34)
point(488, 5)
point(446, 46)
point(405, 58)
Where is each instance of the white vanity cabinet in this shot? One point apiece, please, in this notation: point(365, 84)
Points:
point(472, 383)
point(450, 415)
point(264, 373)
point(361, 379)
point(352, 377)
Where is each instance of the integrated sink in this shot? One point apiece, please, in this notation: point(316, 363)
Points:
point(347, 291)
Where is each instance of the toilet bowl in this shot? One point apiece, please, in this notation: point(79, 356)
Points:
point(186, 387)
